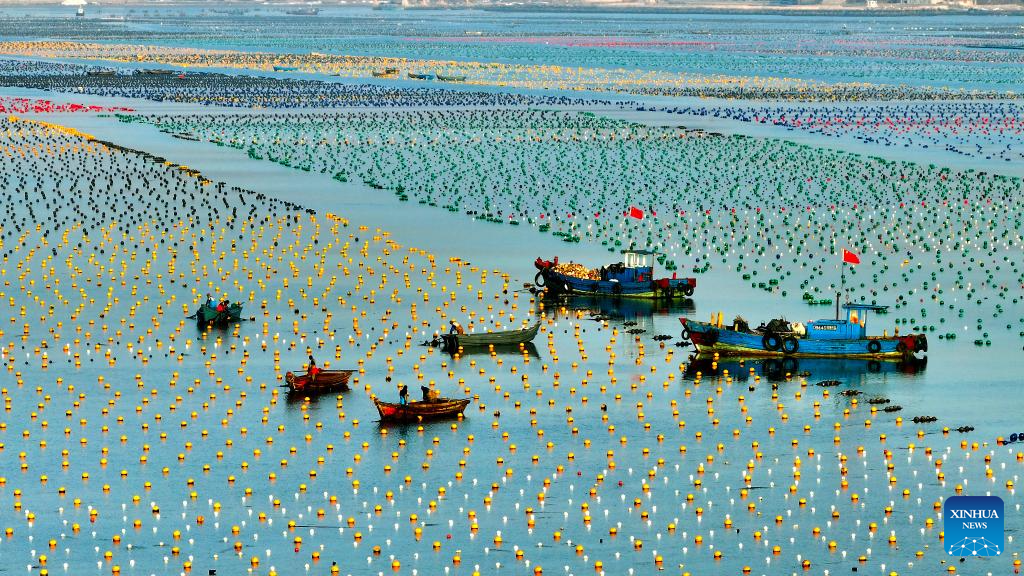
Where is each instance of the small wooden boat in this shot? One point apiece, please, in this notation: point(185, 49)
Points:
point(421, 411)
point(505, 338)
point(304, 11)
point(210, 315)
point(444, 78)
point(326, 381)
point(839, 338)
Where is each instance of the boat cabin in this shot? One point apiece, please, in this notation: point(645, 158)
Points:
point(853, 327)
point(636, 266)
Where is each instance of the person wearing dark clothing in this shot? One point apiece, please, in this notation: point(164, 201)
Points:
point(313, 369)
point(426, 393)
point(455, 328)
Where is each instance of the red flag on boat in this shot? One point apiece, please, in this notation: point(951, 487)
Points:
point(850, 257)
point(635, 212)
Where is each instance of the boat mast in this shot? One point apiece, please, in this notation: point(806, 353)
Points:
point(842, 287)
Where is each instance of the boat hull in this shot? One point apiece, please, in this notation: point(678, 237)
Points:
point(666, 289)
point(326, 381)
point(708, 338)
point(622, 308)
point(509, 337)
point(421, 411)
point(209, 315)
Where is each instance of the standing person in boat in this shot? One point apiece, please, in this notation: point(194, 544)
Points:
point(313, 369)
point(209, 300)
point(403, 395)
point(455, 328)
point(426, 393)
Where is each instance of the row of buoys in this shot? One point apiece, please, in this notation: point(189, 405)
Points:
point(247, 91)
point(530, 76)
point(933, 236)
point(978, 130)
point(11, 105)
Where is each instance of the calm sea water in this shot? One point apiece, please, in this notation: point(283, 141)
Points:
point(632, 478)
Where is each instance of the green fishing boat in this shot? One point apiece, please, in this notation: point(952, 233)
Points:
point(208, 315)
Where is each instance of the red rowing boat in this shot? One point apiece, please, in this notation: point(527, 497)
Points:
point(326, 381)
point(420, 411)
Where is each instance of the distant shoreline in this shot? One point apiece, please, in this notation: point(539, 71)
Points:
point(745, 9)
point(758, 9)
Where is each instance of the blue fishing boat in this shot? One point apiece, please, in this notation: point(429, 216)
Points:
point(631, 278)
point(839, 338)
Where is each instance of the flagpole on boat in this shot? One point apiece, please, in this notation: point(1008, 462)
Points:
point(851, 258)
point(842, 287)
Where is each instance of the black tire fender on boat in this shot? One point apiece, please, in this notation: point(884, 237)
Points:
point(771, 342)
point(540, 279)
point(688, 290)
point(712, 336)
point(901, 346)
point(874, 347)
point(790, 345)
point(685, 334)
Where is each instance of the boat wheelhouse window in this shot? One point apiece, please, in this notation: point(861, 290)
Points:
point(635, 259)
